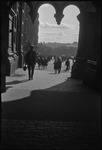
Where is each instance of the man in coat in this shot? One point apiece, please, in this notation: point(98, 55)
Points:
point(30, 60)
point(67, 63)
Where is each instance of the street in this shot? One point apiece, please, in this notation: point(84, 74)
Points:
point(51, 107)
point(20, 86)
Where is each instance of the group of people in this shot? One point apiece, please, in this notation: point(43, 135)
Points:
point(42, 62)
point(31, 59)
point(58, 63)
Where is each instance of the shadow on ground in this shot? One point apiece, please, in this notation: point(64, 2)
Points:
point(8, 87)
point(52, 73)
point(71, 85)
point(62, 71)
point(18, 75)
point(16, 82)
point(54, 105)
point(52, 119)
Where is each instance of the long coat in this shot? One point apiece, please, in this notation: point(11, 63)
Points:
point(30, 58)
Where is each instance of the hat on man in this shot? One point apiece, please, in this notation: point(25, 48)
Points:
point(31, 47)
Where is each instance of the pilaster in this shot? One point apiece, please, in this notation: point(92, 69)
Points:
point(4, 44)
point(87, 41)
point(87, 34)
point(20, 51)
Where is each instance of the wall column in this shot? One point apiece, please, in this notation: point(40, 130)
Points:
point(4, 44)
point(92, 74)
point(20, 53)
point(86, 46)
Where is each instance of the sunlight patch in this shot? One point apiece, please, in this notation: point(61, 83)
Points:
point(15, 94)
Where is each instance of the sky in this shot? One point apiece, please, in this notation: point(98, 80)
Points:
point(66, 32)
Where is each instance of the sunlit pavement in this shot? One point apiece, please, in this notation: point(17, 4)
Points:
point(18, 86)
point(52, 111)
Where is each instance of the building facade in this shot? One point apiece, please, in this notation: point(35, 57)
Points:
point(21, 33)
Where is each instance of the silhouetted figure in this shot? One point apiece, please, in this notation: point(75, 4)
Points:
point(30, 60)
point(42, 63)
point(57, 65)
point(67, 63)
point(45, 63)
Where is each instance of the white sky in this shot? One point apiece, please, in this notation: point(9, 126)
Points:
point(66, 32)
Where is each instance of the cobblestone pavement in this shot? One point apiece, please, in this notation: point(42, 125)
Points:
point(24, 134)
point(60, 113)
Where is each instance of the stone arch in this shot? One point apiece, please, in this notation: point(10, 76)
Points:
point(83, 6)
point(59, 7)
point(70, 6)
point(36, 5)
point(73, 5)
point(44, 3)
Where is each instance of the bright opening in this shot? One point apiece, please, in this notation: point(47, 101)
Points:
point(66, 32)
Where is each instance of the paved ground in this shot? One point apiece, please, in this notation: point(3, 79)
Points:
point(52, 111)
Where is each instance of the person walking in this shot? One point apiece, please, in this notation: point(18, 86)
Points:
point(30, 60)
point(67, 63)
point(59, 64)
point(55, 65)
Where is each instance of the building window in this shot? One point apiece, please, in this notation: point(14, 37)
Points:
point(10, 34)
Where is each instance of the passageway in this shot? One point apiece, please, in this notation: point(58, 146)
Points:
point(51, 111)
point(56, 108)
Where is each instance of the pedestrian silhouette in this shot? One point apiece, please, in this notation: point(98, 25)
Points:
point(57, 64)
point(30, 60)
point(67, 63)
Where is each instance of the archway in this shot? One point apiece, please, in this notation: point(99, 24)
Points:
point(64, 35)
point(63, 110)
point(69, 22)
